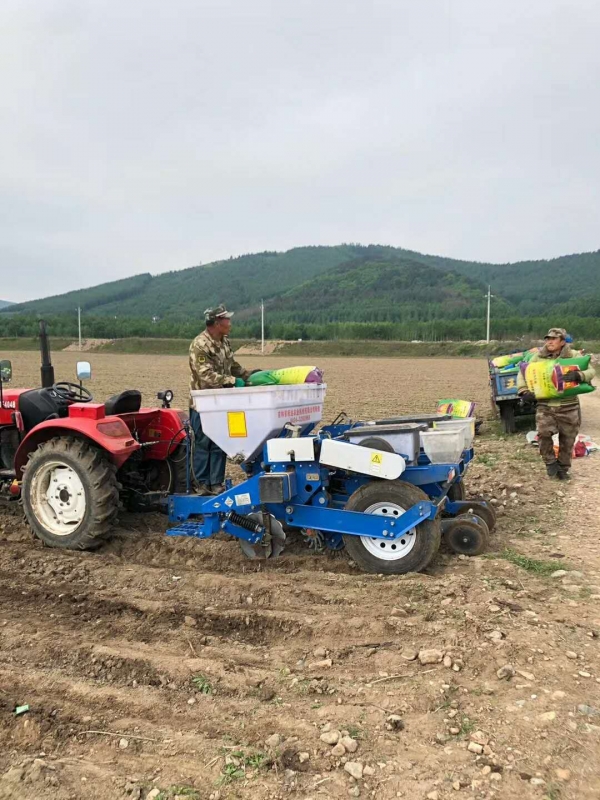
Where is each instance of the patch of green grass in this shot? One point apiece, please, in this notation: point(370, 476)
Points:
point(529, 456)
point(256, 760)
point(303, 686)
point(230, 773)
point(242, 761)
point(354, 731)
point(181, 791)
point(202, 684)
point(466, 727)
point(534, 565)
point(553, 792)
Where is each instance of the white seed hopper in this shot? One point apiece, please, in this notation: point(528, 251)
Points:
point(239, 421)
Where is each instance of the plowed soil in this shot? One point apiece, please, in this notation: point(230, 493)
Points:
point(164, 667)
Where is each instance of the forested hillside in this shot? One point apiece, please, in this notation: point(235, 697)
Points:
point(381, 290)
point(349, 291)
point(4, 303)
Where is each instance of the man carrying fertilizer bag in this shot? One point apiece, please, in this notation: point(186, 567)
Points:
point(213, 367)
point(556, 414)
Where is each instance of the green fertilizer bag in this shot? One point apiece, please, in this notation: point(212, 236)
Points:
point(549, 378)
point(286, 377)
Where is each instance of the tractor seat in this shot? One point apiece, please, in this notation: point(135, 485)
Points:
point(38, 405)
point(126, 402)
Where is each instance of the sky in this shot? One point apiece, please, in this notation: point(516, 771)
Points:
point(145, 136)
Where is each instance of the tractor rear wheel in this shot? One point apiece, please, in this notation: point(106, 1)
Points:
point(70, 493)
point(409, 553)
point(168, 474)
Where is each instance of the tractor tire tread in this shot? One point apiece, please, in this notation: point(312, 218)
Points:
point(102, 492)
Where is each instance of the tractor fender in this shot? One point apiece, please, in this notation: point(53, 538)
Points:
point(118, 445)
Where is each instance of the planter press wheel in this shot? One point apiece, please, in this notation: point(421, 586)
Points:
point(409, 553)
point(466, 535)
point(485, 512)
point(265, 549)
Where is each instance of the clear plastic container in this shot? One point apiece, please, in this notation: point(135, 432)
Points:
point(467, 426)
point(443, 447)
point(403, 438)
point(240, 420)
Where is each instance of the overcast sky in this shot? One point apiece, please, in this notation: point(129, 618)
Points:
point(144, 135)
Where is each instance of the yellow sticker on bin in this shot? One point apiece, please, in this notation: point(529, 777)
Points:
point(236, 422)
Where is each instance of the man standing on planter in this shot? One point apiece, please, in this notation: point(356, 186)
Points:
point(213, 367)
point(559, 415)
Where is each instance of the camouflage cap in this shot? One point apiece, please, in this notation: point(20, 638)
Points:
point(219, 312)
point(556, 333)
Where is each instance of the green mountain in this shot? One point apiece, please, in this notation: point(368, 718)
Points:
point(348, 282)
point(5, 303)
point(384, 289)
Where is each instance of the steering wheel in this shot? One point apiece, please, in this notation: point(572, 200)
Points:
point(72, 392)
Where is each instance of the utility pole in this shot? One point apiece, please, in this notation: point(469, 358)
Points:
point(489, 307)
point(262, 326)
point(79, 324)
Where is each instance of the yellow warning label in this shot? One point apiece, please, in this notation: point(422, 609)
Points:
point(236, 422)
point(376, 458)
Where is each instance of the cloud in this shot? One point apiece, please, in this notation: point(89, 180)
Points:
point(145, 136)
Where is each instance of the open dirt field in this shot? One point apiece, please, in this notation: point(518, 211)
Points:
point(163, 668)
point(363, 387)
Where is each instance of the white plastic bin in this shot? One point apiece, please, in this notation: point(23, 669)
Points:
point(239, 421)
point(443, 447)
point(467, 426)
point(404, 438)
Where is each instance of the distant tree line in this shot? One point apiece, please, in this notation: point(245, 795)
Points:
point(65, 325)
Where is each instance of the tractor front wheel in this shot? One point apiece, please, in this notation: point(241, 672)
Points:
point(411, 552)
point(70, 493)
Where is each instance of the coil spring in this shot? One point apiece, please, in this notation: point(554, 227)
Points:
point(244, 522)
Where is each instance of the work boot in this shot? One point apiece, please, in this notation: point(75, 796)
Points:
point(552, 469)
point(204, 490)
point(563, 474)
point(218, 488)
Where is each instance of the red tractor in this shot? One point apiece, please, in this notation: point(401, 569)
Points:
point(74, 462)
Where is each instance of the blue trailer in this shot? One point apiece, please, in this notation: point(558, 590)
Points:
point(369, 488)
point(505, 400)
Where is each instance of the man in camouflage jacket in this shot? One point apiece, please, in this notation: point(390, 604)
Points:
point(213, 367)
point(560, 415)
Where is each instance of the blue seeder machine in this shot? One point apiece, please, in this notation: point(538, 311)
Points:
point(386, 490)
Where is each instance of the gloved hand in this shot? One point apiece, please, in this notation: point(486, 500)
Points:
point(527, 397)
point(573, 377)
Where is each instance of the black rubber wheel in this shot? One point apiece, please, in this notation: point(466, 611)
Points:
point(70, 493)
point(464, 536)
point(476, 519)
point(169, 474)
point(457, 492)
point(507, 418)
point(410, 553)
point(486, 512)
point(377, 443)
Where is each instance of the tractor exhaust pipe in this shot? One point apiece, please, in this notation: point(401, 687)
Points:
point(47, 369)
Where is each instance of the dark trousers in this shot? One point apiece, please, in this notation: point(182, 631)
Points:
point(209, 460)
point(564, 420)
